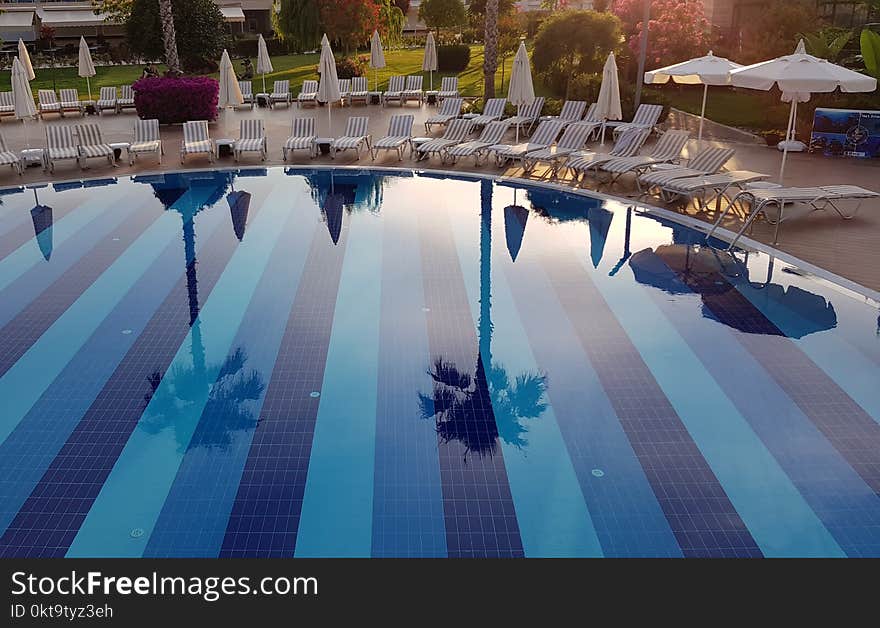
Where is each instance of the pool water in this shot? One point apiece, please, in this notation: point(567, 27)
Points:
point(295, 362)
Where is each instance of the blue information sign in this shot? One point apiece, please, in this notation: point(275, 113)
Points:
point(846, 133)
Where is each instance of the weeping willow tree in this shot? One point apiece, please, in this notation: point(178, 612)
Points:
point(391, 23)
point(298, 23)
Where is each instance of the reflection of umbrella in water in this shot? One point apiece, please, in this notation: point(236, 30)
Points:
point(560, 207)
point(239, 204)
point(683, 269)
point(41, 215)
point(515, 218)
point(332, 210)
point(600, 222)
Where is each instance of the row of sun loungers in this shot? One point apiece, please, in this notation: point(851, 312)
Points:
point(68, 101)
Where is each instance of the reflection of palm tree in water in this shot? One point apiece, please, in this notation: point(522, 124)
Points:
point(460, 402)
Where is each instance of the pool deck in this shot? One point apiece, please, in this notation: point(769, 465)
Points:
point(846, 248)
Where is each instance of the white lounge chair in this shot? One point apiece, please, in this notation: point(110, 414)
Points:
point(572, 111)
point(544, 136)
point(413, 89)
point(667, 150)
point(360, 91)
point(308, 93)
point(456, 133)
point(7, 104)
point(197, 141)
point(344, 91)
point(251, 139)
point(646, 117)
point(527, 115)
point(59, 145)
point(126, 98)
point(449, 110)
point(493, 133)
point(302, 137)
point(8, 158)
point(355, 137)
point(70, 101)
point(627, 145)
point(247, 93)
point(399, 136)
point(146, 140)
point(712, 187)
point(395, 89)
point(573, 139)
point(492, 111)
point(107, 100)
point(90, 144)
point(708, 161)
point(280, 93)
point(48, 101)
point(448, 88)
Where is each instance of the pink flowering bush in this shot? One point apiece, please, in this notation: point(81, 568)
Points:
point(175, 100)
point(678, 29)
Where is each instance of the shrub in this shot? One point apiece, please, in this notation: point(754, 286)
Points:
point(453, 58)
point(348, 67)
point(247, 47)
point(175, 100)
point(586, 87)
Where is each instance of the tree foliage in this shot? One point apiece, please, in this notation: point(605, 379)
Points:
point(199, 25)
point(678, 29)
point(391, 22)
point(774, 31)
point(827, 43)
point(572, 43)
point(870, 43)
point(349, 23)
point(117, 10)
point(298, 24)
point(437, 14)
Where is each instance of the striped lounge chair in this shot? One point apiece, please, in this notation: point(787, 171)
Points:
point(247, 93)
point(308, 93)
point(493, 133)
point(399, 136)
point(527, 115)
point(59, 145)
point(7, 104)
point(90, 144)
point(146, 140)
point(126, 98)
point(251, 139)
point(448, 88)
point(355, 137)
point(395, 89)
point(280, 93)
point(302, 137)
point(450, 109)
point(646, 117)
point(107, 100)
point(707, 161)
point(457, 132)
point(493, 110)
point(360, 91)
point(8, 158)
point(544, 136)
point(573, 139)
point(667, 150)
point(413, 89)
point(627, 145)
point(344, 91)
point(48, 101)
point(70, 101)
point(572, 111)
point(197, 141)
point(711, 187)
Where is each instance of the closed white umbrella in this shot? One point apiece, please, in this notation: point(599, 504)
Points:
point(25, 59)
point(264, 64)
point(797, 76)
point(608, 102)
point(22, 98)
point(430, 62)
point(521, 91)
point(230, 92)
point(377, 56)
point(86, 67)
point(328, 88)
point(705, 71)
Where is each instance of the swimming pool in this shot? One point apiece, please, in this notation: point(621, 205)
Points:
point(318, 362)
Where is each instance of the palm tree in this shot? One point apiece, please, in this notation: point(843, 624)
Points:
point(490, 50)
point(169, 37)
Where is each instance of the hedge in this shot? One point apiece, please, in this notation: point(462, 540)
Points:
point(453, 58)
point(175, 100)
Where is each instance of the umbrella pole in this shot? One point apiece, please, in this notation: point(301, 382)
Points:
point(702, 115)
point(432, 80)
point(787, 135)
point(264, 82)
point(89, 88)
point(602, 142)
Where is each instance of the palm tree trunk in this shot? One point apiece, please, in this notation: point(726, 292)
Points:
point(169, 37)
point(490, 50)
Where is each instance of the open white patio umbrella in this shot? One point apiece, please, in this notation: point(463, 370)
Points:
point(797, 76)
point(608, 102)
point(25, 59)
point(86, 67)
point(264, 64)
point(705, 71)
point(22, 98)
point(230, 91)
point(328, 88)
point(521, 91)
point(377, 56)
point(429, 64)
